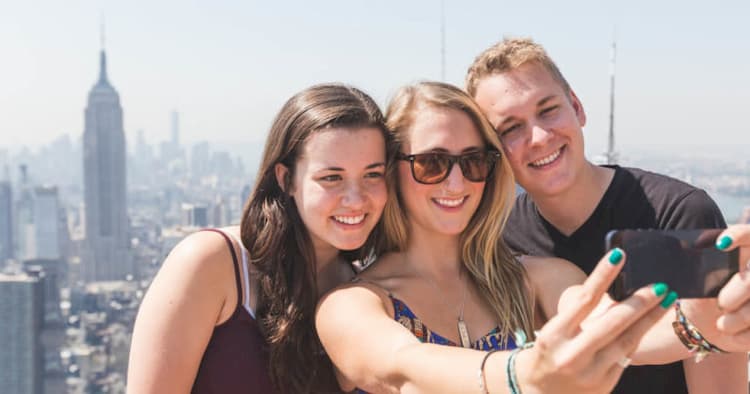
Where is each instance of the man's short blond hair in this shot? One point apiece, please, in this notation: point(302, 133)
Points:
point(507, 55)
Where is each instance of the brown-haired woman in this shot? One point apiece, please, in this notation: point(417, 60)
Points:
point(229, 316)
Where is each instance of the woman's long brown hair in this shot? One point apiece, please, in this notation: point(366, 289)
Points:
point(279, 244)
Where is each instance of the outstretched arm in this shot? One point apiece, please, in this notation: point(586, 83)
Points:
point(375, 353)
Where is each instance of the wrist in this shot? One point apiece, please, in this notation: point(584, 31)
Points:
point(526, 366)
point(691, 336)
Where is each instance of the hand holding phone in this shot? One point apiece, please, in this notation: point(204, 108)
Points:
point(686, 260)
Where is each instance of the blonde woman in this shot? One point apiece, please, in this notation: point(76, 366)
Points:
point(448, 279)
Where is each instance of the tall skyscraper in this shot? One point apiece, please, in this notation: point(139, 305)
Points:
point(46, 223)
point(176, 130)
point(21, 358)
point(107, 240)
point(24, 217)
point(6, 222)
point(171, 150)
point(52, 334)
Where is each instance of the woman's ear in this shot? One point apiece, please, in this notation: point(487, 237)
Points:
point(282, 176)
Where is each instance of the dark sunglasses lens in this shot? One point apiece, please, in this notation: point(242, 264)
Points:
point(430, 167)
point(475, 166)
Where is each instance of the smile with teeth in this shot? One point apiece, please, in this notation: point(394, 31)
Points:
point(546, 160)
point(349, 219)
point(450, 202)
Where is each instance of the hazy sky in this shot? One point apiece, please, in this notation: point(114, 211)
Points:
point(683, 67)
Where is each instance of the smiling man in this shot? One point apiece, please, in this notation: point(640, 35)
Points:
point(572, 203)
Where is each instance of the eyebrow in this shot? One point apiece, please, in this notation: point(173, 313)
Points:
point(443, 150)
point(545, 100)
point(511, 118)
point(371, 166)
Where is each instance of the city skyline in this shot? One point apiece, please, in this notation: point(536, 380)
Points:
point(228, 67)
point(98, 185)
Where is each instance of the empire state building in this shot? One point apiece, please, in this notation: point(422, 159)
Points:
point(107, 255)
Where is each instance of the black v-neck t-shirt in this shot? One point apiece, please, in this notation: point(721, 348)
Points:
point(635, 199)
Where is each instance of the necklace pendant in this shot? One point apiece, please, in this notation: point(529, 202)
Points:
point(463, 333)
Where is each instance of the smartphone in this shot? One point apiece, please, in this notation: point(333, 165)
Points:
point(686, 260)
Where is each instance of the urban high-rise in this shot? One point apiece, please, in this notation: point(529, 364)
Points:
point(46, 223)
point(21, 358)
point(6, 222)
point(107, 254)
point(24, 217)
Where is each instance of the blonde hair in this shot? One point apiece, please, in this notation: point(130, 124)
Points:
point(500, 278)
point(507, 55)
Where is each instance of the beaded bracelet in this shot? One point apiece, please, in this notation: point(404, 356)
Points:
point(510, 369)
point(691, 337)
point(482, 380)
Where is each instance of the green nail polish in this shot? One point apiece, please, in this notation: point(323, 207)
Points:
point(660, 289)
point(669, 300)
point(723, 242)
point(615, 256)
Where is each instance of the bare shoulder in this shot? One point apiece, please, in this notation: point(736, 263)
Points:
point(370, 289)
point(200, 265)
point(234, 230)
point(546, 271)
point(202, 251)
point(387, 272)
point(548, 278)
point(351, 299)
point(192, 292)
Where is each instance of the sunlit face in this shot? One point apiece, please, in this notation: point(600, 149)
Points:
point(446, 207)
point(539, 125)
point(339, 186)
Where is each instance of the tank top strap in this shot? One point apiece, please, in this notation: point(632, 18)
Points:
point(238, 280)
point(245, 274)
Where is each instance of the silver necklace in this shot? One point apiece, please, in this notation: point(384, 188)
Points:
point(463, 331)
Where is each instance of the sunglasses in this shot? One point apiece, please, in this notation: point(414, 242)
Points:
point(433, 167)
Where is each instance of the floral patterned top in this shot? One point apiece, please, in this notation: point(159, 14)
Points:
point(407, 318)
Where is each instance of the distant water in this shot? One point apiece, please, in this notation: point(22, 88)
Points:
point(731, 206)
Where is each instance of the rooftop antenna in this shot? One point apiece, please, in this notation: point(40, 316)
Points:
point(102, 54)
point(102, 31)
point(442, 40)
point(611, 155)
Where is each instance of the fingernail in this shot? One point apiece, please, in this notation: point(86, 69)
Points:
point(616, 256)
point(723, 242)
point(721, 323)
point(669, 300)
point(660, 289)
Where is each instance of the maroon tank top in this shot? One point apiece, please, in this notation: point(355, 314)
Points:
point(236, 358)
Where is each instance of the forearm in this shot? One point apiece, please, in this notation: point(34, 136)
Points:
point(719, 373)
point(660, 345)
point(447, 369)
